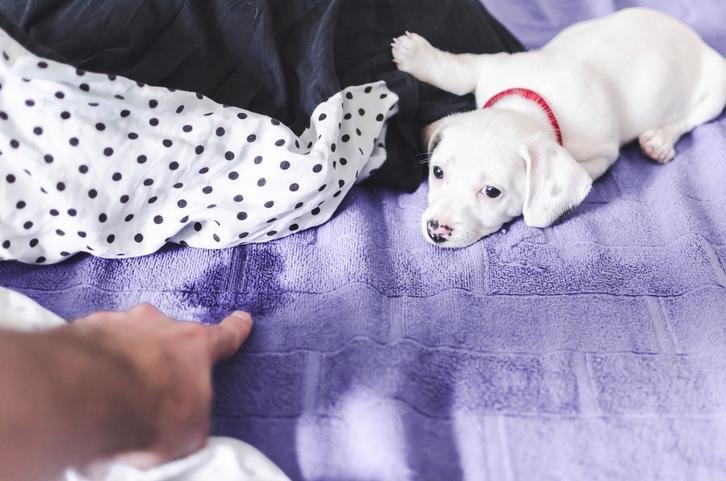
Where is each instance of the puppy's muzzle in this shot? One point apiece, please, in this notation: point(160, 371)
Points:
point(437, 232)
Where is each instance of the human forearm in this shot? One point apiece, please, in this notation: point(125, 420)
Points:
point(63, 402)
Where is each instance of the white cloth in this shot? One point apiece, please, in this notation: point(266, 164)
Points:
point(223, 459)
point(106, 165)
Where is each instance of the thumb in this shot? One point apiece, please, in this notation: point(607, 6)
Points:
point(228, 335)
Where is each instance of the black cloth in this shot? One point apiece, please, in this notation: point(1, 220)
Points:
point(277, 57)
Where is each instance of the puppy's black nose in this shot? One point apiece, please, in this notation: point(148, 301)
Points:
point(438, 233)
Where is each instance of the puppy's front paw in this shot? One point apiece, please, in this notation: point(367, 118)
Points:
point(659, 145)
point(411, 52)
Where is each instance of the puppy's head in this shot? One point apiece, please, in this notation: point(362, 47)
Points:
point(489, 166)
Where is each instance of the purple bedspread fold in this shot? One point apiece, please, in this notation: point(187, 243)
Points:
point(592, 350)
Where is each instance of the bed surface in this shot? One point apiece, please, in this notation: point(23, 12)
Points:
point(592, 350)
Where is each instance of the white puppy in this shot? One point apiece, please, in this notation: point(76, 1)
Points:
point(556, 117)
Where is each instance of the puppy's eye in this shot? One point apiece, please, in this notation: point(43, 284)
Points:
point(438, 172)
point(492, 192)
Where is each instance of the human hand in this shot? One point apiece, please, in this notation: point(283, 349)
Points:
point(168, 368)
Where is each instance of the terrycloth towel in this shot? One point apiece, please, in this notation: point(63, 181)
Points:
point(591, 350)
point(223, 459)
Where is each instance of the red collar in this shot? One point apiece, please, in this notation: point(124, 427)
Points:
point(534, 97)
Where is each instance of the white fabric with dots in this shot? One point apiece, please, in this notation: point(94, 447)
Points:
point(106, 165)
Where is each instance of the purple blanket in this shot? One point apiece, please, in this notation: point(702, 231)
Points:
point(591, 350)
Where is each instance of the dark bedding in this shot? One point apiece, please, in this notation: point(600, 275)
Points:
point(276, 57)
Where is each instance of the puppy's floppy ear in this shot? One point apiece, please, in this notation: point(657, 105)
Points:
point(555, 182)
point(431, 134)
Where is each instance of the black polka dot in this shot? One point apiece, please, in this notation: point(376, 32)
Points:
point(153, 103)
point(258, 160)
point(243, 235)
point(358, 132)
point(152, 199)
point(204, 170)
point(14, 144)
point(184, 219)
point(261, 182)
point(181, 203)
point(317, 168)
point(80, 72)
point(341, 183)
point(383, 96)
point(124, 198)
point(345, 138)
point(336, 194)
point(10, 178)
point(60, 186)
point(269, 204)
point(251, 138)
point(158, 219)
point(284, 165)
point(294, 227)
point(20, 204)
point(59, 95)
point(294, 187)
point(141, 159)
point(73, 141)
point(208, 189)
point(54, 212)
point(174, 165)
point(241, 215)
point(220, 131)
point(40, 260)
point(179, 109)
point(187, 128)
point(349, 96)
point(343, 161)
point(271, 233)
point(42, 65)
point(92, 193)
point(60, 232)
point(3, 116)
point(72, 212)
point(84, 87)
point(315, 211)
point(347, 116)
point(102, 217)
point(298, 205)
point(116, 176)
point(197, 226)
point(233, 175)
point(322, 188)
point(178, 185)
point(117, 96)
point(139, 238)
point(133, 135)
point(238, 198)
point(30, 102)
point(129, 218)
point(27, 225)
point(215, 237)
point(125, 113)
point(6, 244)
point(81, 234)
point(241, 115)
point(333, 147)
point(100, 126)
point(322, 117)
point(111, 77)
point(83, 169)
point(65, 115)
point(361, 112)
point(153, 121)
point(65, 253)
point(280, 143)
point(368, 89)
point(380, 117)
point(93, 104)
point(108, 151)
point(167, 143)
point(270, 221)
point(199, 149)
point(110, 239)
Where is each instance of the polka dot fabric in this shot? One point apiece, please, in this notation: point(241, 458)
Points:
point(102, 164)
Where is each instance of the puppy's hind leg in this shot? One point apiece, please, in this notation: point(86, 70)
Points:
point(455, 73)
point(659, 144)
